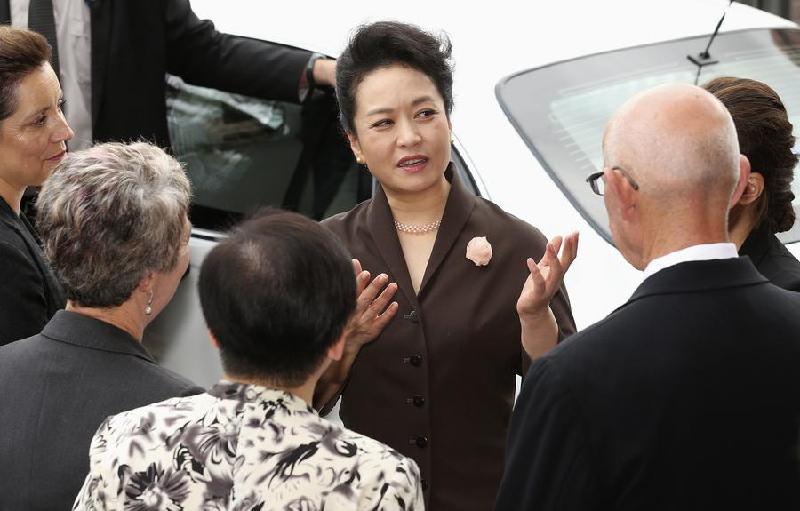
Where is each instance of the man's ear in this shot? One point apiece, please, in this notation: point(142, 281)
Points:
point(626, 196)
point(336, 350)
point(744, 182)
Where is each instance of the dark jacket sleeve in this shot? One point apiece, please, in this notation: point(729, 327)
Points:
point(23, 306)
point(548, 459)
point(201, 55)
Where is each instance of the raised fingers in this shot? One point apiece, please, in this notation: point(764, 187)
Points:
point(380, 303)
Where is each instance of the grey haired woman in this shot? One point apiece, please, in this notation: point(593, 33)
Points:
point(114, 224)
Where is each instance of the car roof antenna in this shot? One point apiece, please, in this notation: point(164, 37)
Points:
point(704, 58)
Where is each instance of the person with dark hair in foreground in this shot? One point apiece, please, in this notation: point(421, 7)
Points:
point(114, 223)
point(766, 138)
point(688, 396)
point(438, 382)
point(276, 295)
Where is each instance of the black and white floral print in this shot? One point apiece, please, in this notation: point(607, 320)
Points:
point(241, 448)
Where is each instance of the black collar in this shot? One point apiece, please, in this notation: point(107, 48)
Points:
point(86, 332)
point(757, 244)
point(692, 276)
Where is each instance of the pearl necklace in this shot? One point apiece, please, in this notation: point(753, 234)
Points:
point(417, 229)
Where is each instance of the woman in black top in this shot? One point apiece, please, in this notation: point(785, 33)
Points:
point(33, 136)
point(765, 208)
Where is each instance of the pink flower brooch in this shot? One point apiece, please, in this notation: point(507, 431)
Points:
point(479, 251)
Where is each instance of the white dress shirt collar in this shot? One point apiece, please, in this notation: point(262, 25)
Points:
point(694, 253)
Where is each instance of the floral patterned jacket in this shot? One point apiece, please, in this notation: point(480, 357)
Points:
point(241, 447)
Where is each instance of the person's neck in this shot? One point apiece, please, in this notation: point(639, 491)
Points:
point(421, 207)
point(305, 391)
point(742, 228)
point(121, 317)
point(678, 236)
point(11, 194)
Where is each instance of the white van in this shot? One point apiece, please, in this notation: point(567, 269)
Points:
point(535, 83)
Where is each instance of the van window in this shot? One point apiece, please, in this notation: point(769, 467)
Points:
point(563, 122)
point(242, 154)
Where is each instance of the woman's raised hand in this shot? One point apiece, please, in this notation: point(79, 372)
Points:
point(547, 275)
point(539, 328)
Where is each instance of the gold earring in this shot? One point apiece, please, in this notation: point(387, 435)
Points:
point(359, 160)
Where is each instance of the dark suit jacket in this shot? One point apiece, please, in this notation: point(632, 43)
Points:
point(135, 42)
point(58, 387)
point(772, 259)
point(438, 383)
point(29, 291)
point(687, 397)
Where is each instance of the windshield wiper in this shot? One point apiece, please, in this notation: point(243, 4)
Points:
point(704, 58)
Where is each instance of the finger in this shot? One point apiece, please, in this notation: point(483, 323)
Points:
point(379, 304)
point(362, 279)
point(537, 279)
point(556, 243)
point(374, 288)
point(555, 268)
point(382, 320)
point(570, 251)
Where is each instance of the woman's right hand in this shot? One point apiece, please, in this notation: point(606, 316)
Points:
point(374, 308)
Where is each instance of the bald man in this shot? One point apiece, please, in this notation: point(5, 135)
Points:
point(688, 396)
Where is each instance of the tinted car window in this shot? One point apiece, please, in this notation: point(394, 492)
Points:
point(561, 109)
point(243, 153)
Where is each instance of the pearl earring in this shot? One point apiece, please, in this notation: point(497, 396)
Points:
point(148, 310)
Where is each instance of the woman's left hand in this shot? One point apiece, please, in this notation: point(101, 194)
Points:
point(538, 323)
point(547, 275)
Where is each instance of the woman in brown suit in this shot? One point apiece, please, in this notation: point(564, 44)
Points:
point(438, 382)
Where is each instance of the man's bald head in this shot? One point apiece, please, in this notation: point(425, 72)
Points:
point(678, 144)
point(677, 141)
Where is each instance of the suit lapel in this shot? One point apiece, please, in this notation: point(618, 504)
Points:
point(380, 220)
point(381, 225)
point(457, 210)
point(101, 40)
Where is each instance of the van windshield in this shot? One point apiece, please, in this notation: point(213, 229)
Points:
point(561, 109)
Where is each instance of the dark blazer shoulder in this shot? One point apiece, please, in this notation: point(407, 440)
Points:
point(520, 237)
point(346, 222)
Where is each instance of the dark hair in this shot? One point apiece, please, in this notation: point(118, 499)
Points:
point(765, 137)
point(21, 52)
point(385, 43)
point(276, 294)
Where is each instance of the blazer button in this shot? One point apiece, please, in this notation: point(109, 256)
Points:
point(416, 360)
point(421, 441)
point(412, 316)
point(418, 401)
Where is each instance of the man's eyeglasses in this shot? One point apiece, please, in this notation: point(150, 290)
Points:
point(598, 184)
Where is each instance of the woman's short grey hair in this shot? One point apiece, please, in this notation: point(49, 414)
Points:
point(110, 215)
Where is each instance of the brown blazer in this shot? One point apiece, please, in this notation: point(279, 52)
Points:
point(438, 384)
